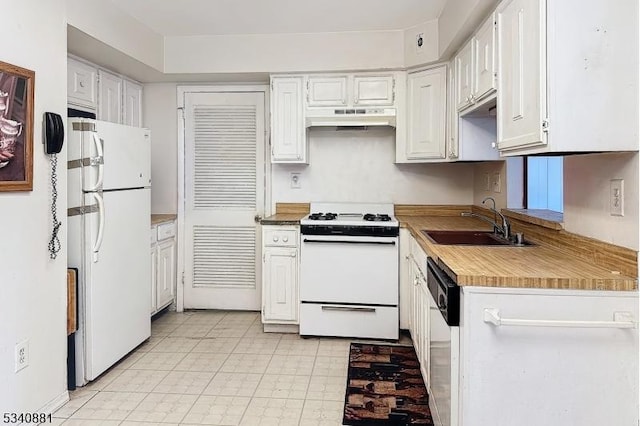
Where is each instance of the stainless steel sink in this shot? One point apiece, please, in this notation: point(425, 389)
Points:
point(469, 238)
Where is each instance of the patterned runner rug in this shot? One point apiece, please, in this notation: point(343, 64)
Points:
point(385, 387)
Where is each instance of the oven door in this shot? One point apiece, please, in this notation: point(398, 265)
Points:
point(349, 269)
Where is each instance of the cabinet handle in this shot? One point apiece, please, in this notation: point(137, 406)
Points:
point(620, 320)
point(285, 239)
point(275, 239)
point(81, 83)
point(293, 255)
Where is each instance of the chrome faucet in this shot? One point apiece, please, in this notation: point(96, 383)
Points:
point(504, 229)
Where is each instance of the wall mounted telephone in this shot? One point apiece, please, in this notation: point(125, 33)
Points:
point(53, 139)
point(53, 133)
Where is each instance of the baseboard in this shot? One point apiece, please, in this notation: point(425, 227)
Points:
point(281, 328)
point(55, 404)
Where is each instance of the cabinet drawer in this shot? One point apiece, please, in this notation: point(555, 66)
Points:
point(154, 235)
point(280, 238)
point(374, 322)
point(166, 230)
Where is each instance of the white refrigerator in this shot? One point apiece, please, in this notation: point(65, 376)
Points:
point(109, 181)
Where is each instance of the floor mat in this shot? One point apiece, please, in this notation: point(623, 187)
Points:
point(385, 387)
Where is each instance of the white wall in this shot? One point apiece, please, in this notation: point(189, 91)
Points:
point(586, 197)
point(359, 166)
point(458, 20)
point(159, 107)
point(284, 52)
point(105, 22)
point(32, 287)
point(414, 56)
point(479, 183)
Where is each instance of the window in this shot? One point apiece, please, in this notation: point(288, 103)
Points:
point(544, 183)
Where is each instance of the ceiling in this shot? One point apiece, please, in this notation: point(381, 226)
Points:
point(232, 17)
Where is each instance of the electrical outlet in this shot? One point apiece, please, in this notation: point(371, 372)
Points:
point(487, 182)
point(22, 355)
point(616, 197)
point(295, 180)
point(419, 43)
point(496, 183)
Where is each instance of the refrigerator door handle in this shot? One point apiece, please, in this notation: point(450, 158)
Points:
point(100, 162)
point(98, 243)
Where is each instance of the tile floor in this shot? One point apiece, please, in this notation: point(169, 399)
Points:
point(217, 368)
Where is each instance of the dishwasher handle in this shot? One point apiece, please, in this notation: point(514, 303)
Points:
point(306, 240)
point(620, 320)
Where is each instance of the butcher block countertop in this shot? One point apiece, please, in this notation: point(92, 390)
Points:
point(538, 266)
point(283, 219)
point(161, 218)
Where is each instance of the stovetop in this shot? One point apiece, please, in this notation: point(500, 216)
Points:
point(350, 214)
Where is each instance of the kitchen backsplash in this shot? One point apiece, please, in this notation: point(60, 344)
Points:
point(358, 165)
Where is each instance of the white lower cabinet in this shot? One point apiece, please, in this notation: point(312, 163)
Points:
point(548, 357)
point(163, 266)
point(420, 301)
point(281, 256)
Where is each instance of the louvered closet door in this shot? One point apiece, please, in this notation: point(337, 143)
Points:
point(224, 166)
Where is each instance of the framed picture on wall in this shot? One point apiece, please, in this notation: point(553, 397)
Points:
point(16, 128)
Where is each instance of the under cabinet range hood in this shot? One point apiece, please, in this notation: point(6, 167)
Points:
point(351, 117)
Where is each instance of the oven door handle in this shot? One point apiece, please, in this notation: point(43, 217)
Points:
point(305, 240)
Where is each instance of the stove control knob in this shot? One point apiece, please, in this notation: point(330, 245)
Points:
point(275, 239)
point(285, 239)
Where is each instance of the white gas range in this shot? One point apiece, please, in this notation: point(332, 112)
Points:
point(349, 271)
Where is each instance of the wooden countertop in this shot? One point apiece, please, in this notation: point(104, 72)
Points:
point(283, 219)
point(160, 218)
point(503, 266)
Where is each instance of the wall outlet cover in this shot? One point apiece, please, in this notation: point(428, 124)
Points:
point(616, 197)
point(496, 183)
point(487, 182)
point(295, 180)
point(22, 355)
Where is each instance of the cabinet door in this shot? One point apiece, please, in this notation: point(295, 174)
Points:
point(427, 114)
point(132, 107)
point(373, 90)
point(327, 91)
point(109, 97)
point(464, 76)
point(452, 115)
point(288, 135)
point(484, 59)
point(154, 277)
point(280, 285)
point(81, 85)
point(166, 286)
point(521, 74)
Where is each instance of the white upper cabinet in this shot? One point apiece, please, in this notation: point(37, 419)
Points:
point(464, 76)
point(109, 97)
point(475, 68)
point(426, 124)
point(484, 48)
point(350, 90)
point(132, 105)
point(81, 85)
point(327, 91)
point(373, 90)
point(288, 134)
point(522, 71)
point(562, 87)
